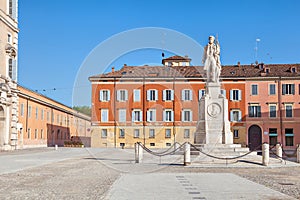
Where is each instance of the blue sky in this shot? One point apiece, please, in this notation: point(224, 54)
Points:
point(57, 35)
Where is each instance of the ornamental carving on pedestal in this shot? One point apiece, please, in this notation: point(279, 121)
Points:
point(213, 110)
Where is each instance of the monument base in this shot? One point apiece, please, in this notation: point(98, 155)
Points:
point(213, 126)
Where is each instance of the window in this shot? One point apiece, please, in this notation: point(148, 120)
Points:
point(168, 133)
point(223, 92)
point(151, 115)
point(254, 111)
point(136, 95)
point(36, 113)
point(35, 134)
point(9, 38)
point(12, 68)
point(152, 144)
point(186, 115)
point(57, 118)
point(169, 64)
point(104, 115)
point(272, 110)
point(29, 111)
point(289, 137)
point(122, 133)
point(28, 133)
point(152, 133)
point(235, 115)
point(122, 115)
point(42, 114)
point(183, 63)
point(168, 144)
point(186, 95)
point(168, 115)
point(152, 95)
point(288, 89)
point(272, 89)
point(122, 145)
point(235, 95)
point(12, 9)
point(236, 133)
point(48, 116)
point(137, 116)
point(168, 95)
point(293, 70)
point(104, 133)
point(288, 110)
point(22, 109)
point(186, 133)
point(42, 133)
point(136, 133)
point(273, 136)
point(104, 95)
point(201, 93)
point(254, 90)
point(122, 95)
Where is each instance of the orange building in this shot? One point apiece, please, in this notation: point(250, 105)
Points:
point(45, 122)
point(159, 105)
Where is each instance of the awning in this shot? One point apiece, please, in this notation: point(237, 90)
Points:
point(289, 134)
point(273, 134)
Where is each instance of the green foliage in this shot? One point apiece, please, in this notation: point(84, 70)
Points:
point(83, 109)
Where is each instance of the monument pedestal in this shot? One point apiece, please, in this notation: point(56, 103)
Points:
point(213, 126)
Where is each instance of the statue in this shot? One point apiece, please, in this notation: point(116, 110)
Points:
point(211, 60)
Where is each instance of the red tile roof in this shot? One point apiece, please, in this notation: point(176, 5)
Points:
point(177, 58)
point(229, 71)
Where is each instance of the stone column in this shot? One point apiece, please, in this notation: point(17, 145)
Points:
point(187, 154)
point(279, 150)
point(138, 153)
point(265, 154)
point(298, 153)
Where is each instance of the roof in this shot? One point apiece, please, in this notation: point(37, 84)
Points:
point(177, 58)
point(228, 71)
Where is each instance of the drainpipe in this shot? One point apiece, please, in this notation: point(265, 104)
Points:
point(174, 130)
point(144, 115)
point(280, 109)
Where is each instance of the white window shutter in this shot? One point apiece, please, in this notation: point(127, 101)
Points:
point(231, 116)
point(132, 116)
point(223, 92)
point(148, 115)
point(191, 115)
point(14, 9)
point(141, 116)
point(101, 95)
point(191, 94)
point(200, 94)
point(108, 95)
point(126, 95)
point(156, 95)
point(148, 95)
point(182, 115)
point(172, 95)
point(172, 115)
point(231, 94)
point(164, 95)
point(240, 95)
point(164, 115)
point(182, 95)
point(240, 115)
point(118, 95)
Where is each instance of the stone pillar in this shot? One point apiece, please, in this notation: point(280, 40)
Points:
point(265, 154)
point(138, 152)
point(279, 150)
point(187, 154)
point(298, 153)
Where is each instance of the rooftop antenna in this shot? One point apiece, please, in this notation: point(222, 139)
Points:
point(256, 47)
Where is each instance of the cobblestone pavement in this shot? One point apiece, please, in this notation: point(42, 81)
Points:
point(89, 173)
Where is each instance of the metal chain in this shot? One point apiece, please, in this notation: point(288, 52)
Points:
point(164, 153)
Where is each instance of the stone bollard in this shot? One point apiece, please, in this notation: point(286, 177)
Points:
point(187, 154)
point(138, 153)
point(56, 147)
point(279, 150)
point(265, 154)
point(298, 153)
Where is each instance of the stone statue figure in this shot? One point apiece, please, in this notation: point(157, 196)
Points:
point(211, 60)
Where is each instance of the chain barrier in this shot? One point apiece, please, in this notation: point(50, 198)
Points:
point(290, 155)
point(222, 158)
point(163, 153)
point(278, 157)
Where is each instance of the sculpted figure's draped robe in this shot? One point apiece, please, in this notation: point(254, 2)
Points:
point(211, 61)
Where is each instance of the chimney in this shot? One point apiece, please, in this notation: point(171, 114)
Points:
point(112, 69)
point(239, 64)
